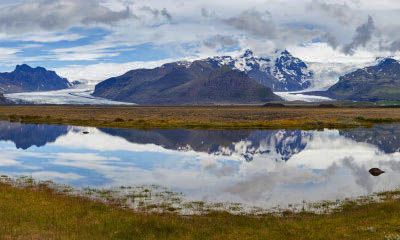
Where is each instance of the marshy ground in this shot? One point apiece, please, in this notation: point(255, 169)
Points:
point(40, 212)
point(203, 117)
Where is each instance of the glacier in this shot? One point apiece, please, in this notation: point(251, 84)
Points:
point(80, 95)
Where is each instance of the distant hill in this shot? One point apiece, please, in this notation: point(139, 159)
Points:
point(198, 82)
point(27, 79)
point(375, 83)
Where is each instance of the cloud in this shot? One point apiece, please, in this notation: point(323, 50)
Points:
point(206, 13)
point(331, 40)
point(55, 15)
point(221, 41)
point(394, 46)
point(192, 28)
point(157, 13)
point(362, 36)
point(166, 14)
point(361, 174)
point(255, 23)
point(84, 52)
point(340, 11)
point(47, 37)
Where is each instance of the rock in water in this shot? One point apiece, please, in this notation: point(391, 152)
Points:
point(376, 172)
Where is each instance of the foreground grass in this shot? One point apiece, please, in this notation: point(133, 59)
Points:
point(203, 117)
point(40, 213)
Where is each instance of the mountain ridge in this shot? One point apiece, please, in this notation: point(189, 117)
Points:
point(197, 82)
point(379, 82)
point(27, 79)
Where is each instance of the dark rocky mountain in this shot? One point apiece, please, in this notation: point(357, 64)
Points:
point(27, 79)
point(25, 136)
point(282, 72)
point(198, 82)
point(374, 83)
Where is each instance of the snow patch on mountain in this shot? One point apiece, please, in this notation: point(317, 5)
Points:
point(281, 72)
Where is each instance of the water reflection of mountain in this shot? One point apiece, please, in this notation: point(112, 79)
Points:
point(281, 144)
point(27, 135)
point(385, 137)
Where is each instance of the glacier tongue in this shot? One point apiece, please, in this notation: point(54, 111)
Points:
point(71, 96)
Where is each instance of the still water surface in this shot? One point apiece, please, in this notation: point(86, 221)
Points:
point(263, 168)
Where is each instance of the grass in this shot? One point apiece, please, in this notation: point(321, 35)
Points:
point(38, 212)
point(203, 117)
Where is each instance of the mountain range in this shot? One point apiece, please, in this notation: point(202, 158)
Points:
point(245, 79)
point(224, 79)
point(27, 79)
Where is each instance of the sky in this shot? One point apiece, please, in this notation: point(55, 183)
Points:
point(97, 39)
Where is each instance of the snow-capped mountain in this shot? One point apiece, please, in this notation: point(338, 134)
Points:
point(282, 72)
point(378, 82)
point(215, 80)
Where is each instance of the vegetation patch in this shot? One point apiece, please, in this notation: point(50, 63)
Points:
point(204, 117)
point(35, 210)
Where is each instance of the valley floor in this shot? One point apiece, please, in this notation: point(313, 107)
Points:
point(203, 117)
point(37, 212)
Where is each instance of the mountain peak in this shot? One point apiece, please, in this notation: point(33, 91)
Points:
point(27, 68)
point(23, 67)
point(387, 61)
point(248, 53)
point(285, 52)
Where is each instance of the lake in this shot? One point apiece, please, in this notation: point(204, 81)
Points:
point(260, 168)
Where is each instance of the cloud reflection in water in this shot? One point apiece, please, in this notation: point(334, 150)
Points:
point(260, 168)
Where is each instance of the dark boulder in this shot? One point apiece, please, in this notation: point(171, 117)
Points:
point(376, 172)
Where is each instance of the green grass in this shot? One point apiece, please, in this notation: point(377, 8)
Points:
point(375, 120)
point(38, 212)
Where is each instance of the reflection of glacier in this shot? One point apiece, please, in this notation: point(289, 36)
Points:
point(27, 135)
point(246, 143)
